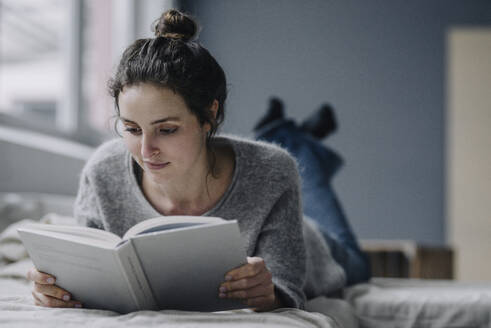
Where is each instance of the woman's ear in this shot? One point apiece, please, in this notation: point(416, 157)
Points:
point(214, 110)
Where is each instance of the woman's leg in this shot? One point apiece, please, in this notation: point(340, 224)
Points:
point(317, 165)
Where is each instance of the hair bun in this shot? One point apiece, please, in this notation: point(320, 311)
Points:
point(176, 25)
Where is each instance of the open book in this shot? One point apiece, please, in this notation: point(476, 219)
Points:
point(172, 262)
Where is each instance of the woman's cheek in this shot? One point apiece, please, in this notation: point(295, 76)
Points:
point(133, 146)
point(189, 143)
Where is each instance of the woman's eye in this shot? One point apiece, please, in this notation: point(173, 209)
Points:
point(133, 130)
point(168, 131)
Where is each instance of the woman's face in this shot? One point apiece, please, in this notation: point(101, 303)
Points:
point(160, 132)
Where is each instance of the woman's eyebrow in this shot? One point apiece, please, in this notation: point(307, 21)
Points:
point(170, 118)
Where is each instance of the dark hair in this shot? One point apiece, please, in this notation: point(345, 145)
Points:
point(174, 60)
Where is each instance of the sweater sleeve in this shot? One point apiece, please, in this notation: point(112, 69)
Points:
point(281, 245)
point(86, 208)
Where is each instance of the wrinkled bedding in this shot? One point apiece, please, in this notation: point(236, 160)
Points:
point(407, 303)
point(18, 310)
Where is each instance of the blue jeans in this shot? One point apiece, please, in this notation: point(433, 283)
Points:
point(317, 165)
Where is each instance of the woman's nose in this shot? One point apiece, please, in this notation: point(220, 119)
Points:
point(148, 147)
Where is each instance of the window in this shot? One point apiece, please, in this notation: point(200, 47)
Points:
point(31, 57)
point(56, 57)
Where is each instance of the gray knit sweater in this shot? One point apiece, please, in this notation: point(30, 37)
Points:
point(263, 196)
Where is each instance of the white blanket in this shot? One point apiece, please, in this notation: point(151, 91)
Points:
point(18, 310)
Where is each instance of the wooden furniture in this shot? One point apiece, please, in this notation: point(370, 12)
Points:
point(407, 259)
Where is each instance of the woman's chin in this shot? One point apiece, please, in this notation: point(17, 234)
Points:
point(158, 176)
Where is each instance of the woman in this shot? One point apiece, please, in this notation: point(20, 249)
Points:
point(169, 94)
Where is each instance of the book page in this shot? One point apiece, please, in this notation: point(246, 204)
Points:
point(167, 223)
point(92, 274)
point(185, 267)
point(135, 277)
point(90, 235)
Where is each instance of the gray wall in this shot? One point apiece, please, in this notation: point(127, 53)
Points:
point(380, 63)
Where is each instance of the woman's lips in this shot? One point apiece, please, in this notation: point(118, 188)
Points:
point(155, 166)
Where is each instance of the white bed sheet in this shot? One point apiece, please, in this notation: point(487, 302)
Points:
point(18, 310)
point(408, 303)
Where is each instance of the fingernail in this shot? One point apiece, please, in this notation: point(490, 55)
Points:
point(78, 305)
point(227, 278)
point(223, 289)
point(221, 295)
point(66, 297)
point(50, 281)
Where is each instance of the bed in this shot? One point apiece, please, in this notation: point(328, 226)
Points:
point(47, 196)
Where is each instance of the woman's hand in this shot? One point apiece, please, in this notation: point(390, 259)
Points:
point(46, 293)
point(252, 284)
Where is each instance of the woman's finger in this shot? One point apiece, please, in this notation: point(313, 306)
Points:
point(254, 292)
point(52, 290)
point(40, 277)
point(252, 268)
point(49, 301)
point(264, 277)
point(37, 301)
